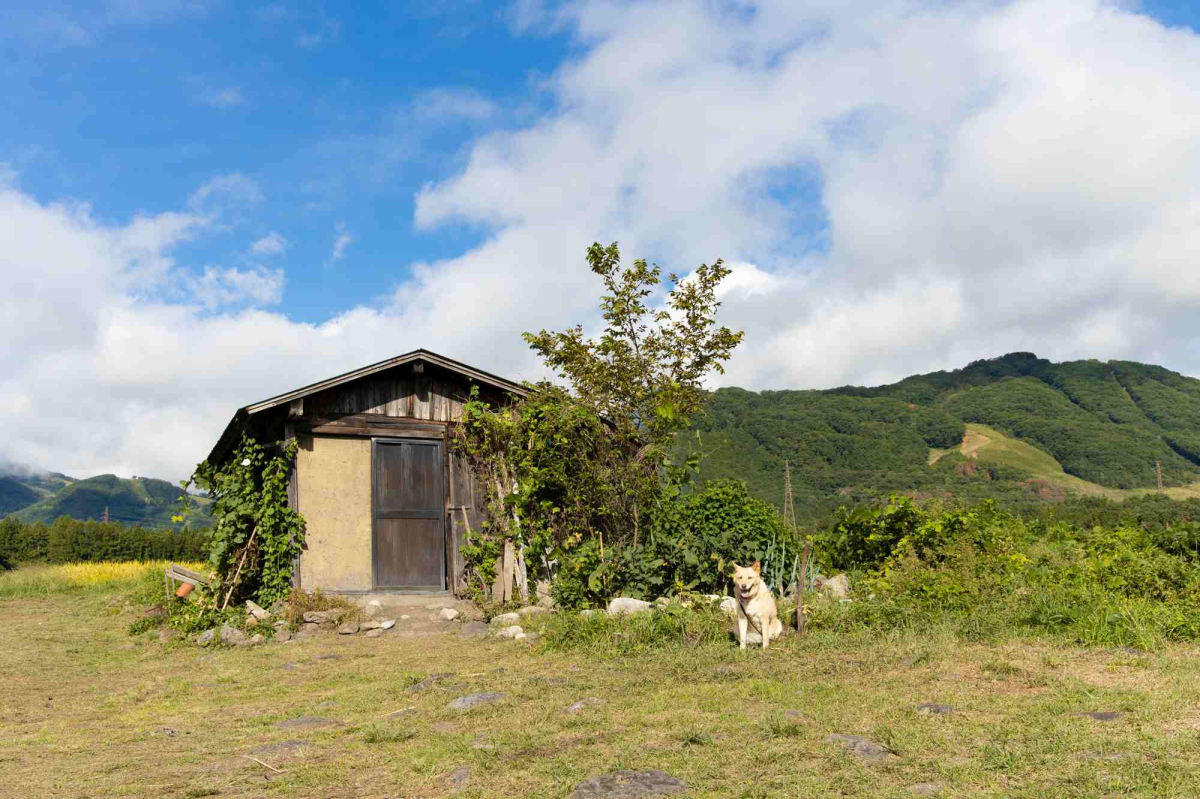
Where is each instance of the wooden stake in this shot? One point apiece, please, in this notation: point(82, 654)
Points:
point(268, 765)
point(800, 583)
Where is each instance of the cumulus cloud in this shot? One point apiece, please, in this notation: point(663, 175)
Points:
point(896, 191)
point(340, 244)
point(450, 104)
point(228, 97)
point(271, 244)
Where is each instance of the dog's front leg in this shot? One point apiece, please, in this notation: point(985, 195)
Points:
point(764, 624)
point(743, 624)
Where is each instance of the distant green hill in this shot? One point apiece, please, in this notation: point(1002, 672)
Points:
point(15, 495)
point(1019, 429)
point(141, 500)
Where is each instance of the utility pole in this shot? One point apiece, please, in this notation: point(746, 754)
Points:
point(789, 510)
point(1158, 474)
point(789, 521)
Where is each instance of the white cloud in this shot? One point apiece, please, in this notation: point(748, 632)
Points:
point(449, 104)
point(328, 30)
point(340, 244)
point(271, 244)
point(224, 195)
point(223, 98)
point(217, 288)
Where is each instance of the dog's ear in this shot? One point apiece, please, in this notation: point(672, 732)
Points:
point(735, 566)
point(757, 567)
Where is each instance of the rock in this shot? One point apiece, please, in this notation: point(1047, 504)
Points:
point(586, 614)
point(545, 594)
point(323, 616)
point(257, 612)
point(458, 779)
point(505, 620)
point(374, 608)
point(729, 607)
point(405, 617)
point(388, 624)
point(166, 635)
point(310, 628)
point(280, 623)
point(794, 715)
point(532, 610)
point(425, 683)
point(257, 639)
point(531, 637)
point(933, 709)
point(474, 700)
point(837, 586)
point(623, 605)
point(520, 636)
point(510, 632)
point(369, 625)
point(281, 750)
point(155, 612)
point(629, 785)
point(448, 614)
point(233, 636)
point(349, 628)
point(925, 789)
point(1102, 715)
point(473, 629)
point(374, 633)
point(582, 704)
point(862, 747)
point(306, 722)
point(251, 621)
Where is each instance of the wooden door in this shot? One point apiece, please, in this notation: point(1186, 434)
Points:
point(410, 515)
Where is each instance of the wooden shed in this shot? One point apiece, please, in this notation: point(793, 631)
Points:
point(381, 492)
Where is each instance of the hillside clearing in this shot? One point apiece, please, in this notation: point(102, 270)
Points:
point(104, 714)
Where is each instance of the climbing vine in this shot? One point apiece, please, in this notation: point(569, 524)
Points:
point(257, 535)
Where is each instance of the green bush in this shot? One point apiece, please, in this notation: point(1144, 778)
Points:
point(691, 546)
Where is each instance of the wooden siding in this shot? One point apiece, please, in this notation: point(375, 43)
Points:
point(434, 396)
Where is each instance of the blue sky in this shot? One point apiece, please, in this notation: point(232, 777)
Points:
point(338, 118)
point(204, 203)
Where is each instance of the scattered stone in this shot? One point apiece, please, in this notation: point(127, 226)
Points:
point(283, 749)
point(473, 700)
point(1102, 715)
point(448, 614)
point(623, 605)
point(582, 704)
point(530, 637)
point(257, 639)
point(933, 709)
point(309, 628)
point(233, 636)
point(371, 624)
point(837, 586)
point(349, 628)
point(925, 789)
point(729, 607)
point(323, 616)
point(388, 624)
point(458, 779)
point(425, 683)
point(473, 629)
point(155, 612)
point(532, 610)
point(306, 722)
point(166, 635)
point(374, 633)
point(586, 614)
point(283, 636)
point(794, 715)
point(205, 638)
point(510, 632)
point(629, 785)
point(405, 617)
point(256, 611)
point(505, 619)
point(862, 747)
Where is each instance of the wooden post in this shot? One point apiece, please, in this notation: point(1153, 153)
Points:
point(800, 583)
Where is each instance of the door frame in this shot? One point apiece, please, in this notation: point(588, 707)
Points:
point(427, 442)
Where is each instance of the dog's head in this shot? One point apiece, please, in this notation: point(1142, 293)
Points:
point(746, 579)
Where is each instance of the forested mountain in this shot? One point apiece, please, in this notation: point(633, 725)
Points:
point(1018, 428)
point(140, 500)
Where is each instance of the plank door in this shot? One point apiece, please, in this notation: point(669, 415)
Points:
point(410, 515)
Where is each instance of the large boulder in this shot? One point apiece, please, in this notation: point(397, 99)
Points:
point(624, 606)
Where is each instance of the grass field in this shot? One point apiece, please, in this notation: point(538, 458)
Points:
point(991, 446)
point(89, 711)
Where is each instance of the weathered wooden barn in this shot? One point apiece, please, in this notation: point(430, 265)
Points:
point(383, 495)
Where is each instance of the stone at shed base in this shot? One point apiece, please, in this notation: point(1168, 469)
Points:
point(532, 610)
point(624, 605)
point(448, 614)
point(256, 611)
point(369, 625)
point(350, 628)
point(283, 636)
point(205, 638)
point(505, 619)
point(387, 624)
point(629, 785)
point(233, 636)
point(374, 633)
point(257, 639)
point(510, 632)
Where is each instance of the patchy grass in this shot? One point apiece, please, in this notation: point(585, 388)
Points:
point(301, 602)
point(41, 580)
point(106, 715)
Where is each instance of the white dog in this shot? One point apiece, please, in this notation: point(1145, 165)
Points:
point(755, 605)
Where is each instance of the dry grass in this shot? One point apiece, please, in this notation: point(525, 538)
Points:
point(103, 714)
point(45, 580)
